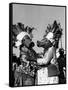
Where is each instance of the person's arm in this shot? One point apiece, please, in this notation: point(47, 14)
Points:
point(47, 58)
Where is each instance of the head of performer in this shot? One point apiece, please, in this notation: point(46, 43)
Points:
point(24, 39)
point(23, 35)
point(46, 42)
point(52, 38)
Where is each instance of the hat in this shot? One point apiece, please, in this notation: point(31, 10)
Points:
point(19, 38)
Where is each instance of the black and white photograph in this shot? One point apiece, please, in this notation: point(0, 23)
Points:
point(37, 44)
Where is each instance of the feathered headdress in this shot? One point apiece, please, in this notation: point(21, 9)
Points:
point(57, 30)
point(53, 31)
point(19, 31)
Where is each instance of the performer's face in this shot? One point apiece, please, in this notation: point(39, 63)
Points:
point(28, 42)
point(43, 43)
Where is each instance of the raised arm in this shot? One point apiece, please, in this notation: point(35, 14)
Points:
point(47, 57)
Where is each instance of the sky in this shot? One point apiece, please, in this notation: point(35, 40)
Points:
point(39, 17)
